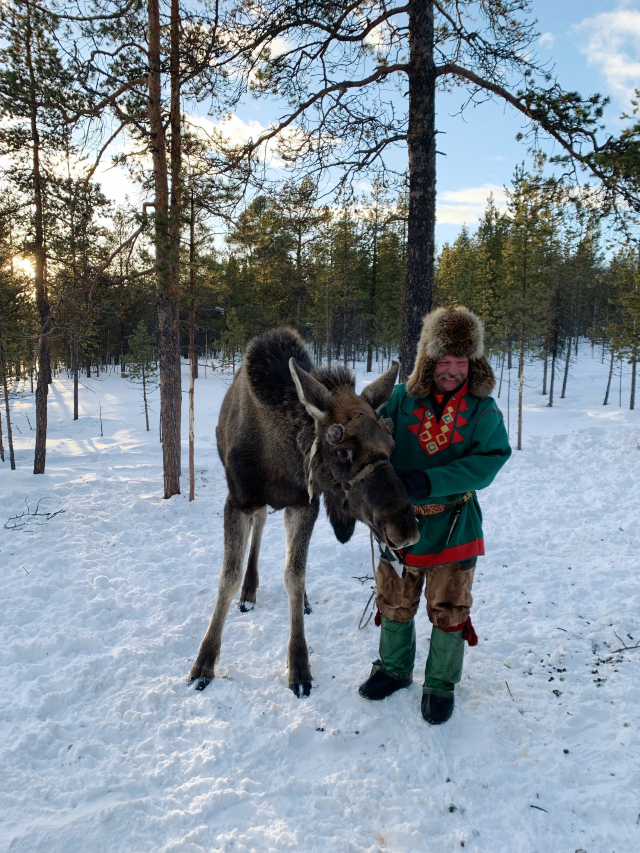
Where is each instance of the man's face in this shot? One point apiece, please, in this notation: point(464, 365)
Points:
point(450, 372)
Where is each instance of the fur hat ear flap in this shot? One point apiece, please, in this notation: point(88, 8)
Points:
point(419, 383)
point(482, 379)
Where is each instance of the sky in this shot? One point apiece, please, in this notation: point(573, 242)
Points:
point(595, 47)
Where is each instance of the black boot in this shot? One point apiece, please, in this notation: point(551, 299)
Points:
point(380, 684)
point(437, 709)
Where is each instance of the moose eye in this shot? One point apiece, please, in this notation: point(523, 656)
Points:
point(343, 454)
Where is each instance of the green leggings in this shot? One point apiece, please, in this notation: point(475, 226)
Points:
point(398, 652)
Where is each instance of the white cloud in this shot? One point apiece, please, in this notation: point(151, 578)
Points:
point(547, 40)
point(457, 207)
point(611, 42)
point(281, 45)
point(233, 128)
point(236, 131)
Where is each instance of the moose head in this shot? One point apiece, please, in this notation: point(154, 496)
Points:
point(350, 458)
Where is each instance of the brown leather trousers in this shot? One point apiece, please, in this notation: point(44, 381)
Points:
point(448, 593)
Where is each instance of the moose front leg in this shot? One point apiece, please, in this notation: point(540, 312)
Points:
point(251, 579)
point(299, 523)
point(237, 525)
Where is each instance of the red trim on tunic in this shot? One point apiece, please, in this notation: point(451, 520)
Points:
point(435, 436)
point(454, 554)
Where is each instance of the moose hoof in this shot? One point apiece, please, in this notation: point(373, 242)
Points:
point(246, 606)
point(301, 688)
point(202, 671)
point(202, 683)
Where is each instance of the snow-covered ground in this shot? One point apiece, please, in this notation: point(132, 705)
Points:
point(104, 747)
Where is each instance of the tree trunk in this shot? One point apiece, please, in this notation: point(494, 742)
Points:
point(632, 401)
point(504, 358)
point(620, 386)
point(421, 139)
point(144, 396)
point(75, 367)
point(192, 349)
point(554, 353)
point(372, 295)
point(192, 473)
point(3, 379)
point(42, 301)
point(544, 375)
point(298, 294)
point(606, 396)
point(345, 273)
point(522, 339)
point(328, 319)
point(566, 369)
point(520, 395)
point(166, 245)
point(31, 361)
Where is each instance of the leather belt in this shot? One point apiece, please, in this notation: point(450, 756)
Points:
point(435, 509)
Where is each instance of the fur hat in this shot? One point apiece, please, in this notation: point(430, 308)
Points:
point(451, 331)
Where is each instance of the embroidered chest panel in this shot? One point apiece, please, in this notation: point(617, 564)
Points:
point(433, 436)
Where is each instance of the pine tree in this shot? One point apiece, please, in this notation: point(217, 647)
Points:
point(232, 340)
point(333, 80)
point(527, 263)
point(141, 364)
point(36, 90)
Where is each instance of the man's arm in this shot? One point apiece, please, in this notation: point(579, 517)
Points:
point(488, 453)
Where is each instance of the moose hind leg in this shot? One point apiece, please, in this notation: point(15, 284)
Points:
point(251, 579)
point(237, 525)
point(299, 522)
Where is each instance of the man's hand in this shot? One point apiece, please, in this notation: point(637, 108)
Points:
point(416, 483)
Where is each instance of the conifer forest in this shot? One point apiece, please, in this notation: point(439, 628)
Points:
point(230, 238)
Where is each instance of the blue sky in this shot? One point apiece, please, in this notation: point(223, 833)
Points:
point(595, 47)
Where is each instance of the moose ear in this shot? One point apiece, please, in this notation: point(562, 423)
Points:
point(379, 391)
point(311, 393)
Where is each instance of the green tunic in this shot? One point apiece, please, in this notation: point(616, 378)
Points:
point(461, 453)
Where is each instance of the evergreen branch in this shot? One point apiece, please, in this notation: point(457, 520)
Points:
point(86, 19)
point(333, 31)
point(107, 101)
point(524, 105)
point(133, 275)
point(379, 74)
point(96, 163)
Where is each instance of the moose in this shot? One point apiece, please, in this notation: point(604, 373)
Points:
point(289, 432)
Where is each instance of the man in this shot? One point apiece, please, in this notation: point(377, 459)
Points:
point(450, 441)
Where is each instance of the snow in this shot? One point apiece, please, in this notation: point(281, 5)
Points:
point(104, 746)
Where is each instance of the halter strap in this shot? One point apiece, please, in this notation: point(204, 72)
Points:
point(361, 475)
point(364, 472)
